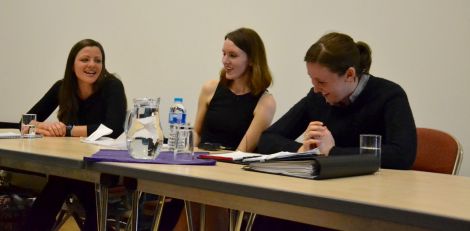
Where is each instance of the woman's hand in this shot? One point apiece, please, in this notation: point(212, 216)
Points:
point(50, 128)
point(317, 135)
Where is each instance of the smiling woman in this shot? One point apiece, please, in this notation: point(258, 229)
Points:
point(234, 110)
point(344, 102)
point(87, 67)
point(87, 96)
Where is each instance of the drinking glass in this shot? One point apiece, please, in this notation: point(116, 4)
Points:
point(184, 143)
point(370, 144)
point(28, 128)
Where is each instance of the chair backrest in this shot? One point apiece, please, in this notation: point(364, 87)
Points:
point(438, 152)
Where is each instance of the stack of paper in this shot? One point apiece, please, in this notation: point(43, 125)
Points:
point(247, 157)
point(283, 156)
point(320, 167)
point(14, 135)
point(9, 135)
point(304, 169)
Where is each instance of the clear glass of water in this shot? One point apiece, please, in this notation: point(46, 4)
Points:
point(370, 144)
point(184, 143)
point(28, 127)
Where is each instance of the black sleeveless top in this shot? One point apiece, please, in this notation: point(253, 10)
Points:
point(228, 117)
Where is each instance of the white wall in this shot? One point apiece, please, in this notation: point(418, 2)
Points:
point(169, 48)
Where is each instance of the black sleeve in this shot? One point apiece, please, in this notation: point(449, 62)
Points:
point(48, 103)
point(115, 101)
point(282, 134)
point(399, 138)
point(399, 149)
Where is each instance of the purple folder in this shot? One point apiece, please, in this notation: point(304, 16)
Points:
point(108, 155)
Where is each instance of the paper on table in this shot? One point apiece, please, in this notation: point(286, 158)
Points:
point(13, 135)
point(279, 155)
point(9, 135)
point(98, 139)
point(101, 131)
point(304, 169)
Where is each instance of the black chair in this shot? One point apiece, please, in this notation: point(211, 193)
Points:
point(117, 215)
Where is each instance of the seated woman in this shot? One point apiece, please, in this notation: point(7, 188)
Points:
point(87, 96)
point(234, 110)
point(345, 101)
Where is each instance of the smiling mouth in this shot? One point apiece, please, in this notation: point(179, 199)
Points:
point(90, 73)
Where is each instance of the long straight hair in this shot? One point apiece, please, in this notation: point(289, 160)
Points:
point(259, 74)
point(68, 95)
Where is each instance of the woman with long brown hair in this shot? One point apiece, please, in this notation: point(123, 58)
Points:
point(87, 96)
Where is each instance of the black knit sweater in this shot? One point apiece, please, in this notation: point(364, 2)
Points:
point(381, 108)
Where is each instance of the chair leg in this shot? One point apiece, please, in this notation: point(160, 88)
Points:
point(129, 223)
point(236, 219)
point(230, 217)
point(64, 215)
point(101, 205)
point(189, 215)
point(158, 213)
point(134, 218)
point(251, 221)
point(78, 219)
point(239, 221)
point(202, 219)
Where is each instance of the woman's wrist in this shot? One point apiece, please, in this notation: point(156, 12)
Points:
point(68, 130)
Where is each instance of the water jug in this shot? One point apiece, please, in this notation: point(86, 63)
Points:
point(143, 129)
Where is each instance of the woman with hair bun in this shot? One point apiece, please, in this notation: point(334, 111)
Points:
point(344, 102)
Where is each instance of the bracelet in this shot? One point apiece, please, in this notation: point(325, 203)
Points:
point(68, 130)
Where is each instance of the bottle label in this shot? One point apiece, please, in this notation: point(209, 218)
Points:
point(179, 118)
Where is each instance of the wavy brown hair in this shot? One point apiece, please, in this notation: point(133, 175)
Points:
point(338, 52)
point(259, 74)
point(68, 95)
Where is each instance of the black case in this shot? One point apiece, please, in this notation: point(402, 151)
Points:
point(343, 166)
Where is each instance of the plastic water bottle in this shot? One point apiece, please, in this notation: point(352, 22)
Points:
point(176, 117)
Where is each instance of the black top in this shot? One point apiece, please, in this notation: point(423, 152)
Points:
point(381, 108)
point(228, 117)
point(106, 106)
point(9, 125)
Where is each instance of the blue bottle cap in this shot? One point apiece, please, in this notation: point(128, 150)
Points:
point(178, 99)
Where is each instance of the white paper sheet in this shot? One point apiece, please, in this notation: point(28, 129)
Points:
point(98, 138)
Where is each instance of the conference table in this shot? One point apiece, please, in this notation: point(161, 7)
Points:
point(386, 200)
point(59, 156)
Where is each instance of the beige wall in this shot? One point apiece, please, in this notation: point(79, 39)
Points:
point(169, 48)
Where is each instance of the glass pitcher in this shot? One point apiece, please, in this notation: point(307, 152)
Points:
point(144, 133)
